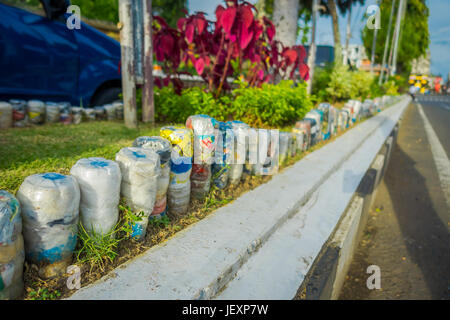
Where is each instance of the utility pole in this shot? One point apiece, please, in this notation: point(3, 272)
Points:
point(397, 37)
point(374, 43)
point(386, 45)
point(312, 47)
point(148, 107)
point(402, 16)
point(348, 36)
point(127, 63)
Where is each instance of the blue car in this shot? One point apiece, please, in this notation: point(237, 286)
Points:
point(41, 58)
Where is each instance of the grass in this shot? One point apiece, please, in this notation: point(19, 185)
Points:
point(42, 293)
point(99, 249)
point(56, 147)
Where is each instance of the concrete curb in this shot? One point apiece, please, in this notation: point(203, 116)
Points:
point(327, 274)
point(203, 259)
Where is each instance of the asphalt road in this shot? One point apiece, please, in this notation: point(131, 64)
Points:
point(407, 233)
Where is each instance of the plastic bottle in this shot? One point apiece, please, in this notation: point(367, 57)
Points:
point(240, 149)
point(52, 112)
point(349, 108)
point(304, 127)
point(314, 130)
point(284, 146)
point(140, 169)
point(299, 139)
point(119, 109)
point(90, 114)
point(50, 212)
point(77, 114)
point(356, 110)
point(20, 116)
point(100, 113)
point(65, 116)
point(204, 144)
point(6, 115)
point(110, 112)
point(12, 254)
point(36, 111)
point(329, 129)
point(163, 148)
point(345, 118)
point(268, 152)
point(99, 181)
point(324, 107)
point(252, 155)
point(224, 147)
point(292, 145)
point(179, 191)
point(333, 115)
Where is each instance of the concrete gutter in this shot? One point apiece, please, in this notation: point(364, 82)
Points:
point(218, 256)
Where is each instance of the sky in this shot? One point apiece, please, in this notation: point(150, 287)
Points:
point(439, 26)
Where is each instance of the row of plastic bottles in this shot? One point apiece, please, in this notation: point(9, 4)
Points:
point(21, 113)
point(152, 176)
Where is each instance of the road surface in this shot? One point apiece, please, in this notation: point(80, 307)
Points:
point(407, 233)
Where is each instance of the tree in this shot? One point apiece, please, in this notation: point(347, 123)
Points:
point(345, 7)
point(331, 8)
point(330, 5)
point(285, 18)
point(414, 37)
point(303, 13)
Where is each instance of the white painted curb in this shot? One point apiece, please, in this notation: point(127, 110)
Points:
point(221, 250)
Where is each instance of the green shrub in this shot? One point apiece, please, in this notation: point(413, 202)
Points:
point(338, 83)
point(390, 88)
point(321, 79)
point(268, 106)
point(174, 108)
point(271, 105)
point(361, 82)
point(340, 86)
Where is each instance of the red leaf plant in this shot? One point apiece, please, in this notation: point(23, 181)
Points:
point(237, 44)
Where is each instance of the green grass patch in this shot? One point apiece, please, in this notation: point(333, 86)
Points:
point(56, 147)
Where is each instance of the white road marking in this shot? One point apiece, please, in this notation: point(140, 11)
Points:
point(439, 156)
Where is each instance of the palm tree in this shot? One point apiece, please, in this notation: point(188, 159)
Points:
point(285, 18)
point(330, 8)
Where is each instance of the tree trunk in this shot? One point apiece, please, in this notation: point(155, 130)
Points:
point(285, 18)
point(127, 64)
point(337, 37)
point(312, 48)
point(148, 108)
point(348, 36)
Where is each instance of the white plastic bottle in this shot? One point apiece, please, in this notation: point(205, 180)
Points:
point(140, 169)
point(12, 253)
point(50, 213)
point(99, 180)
